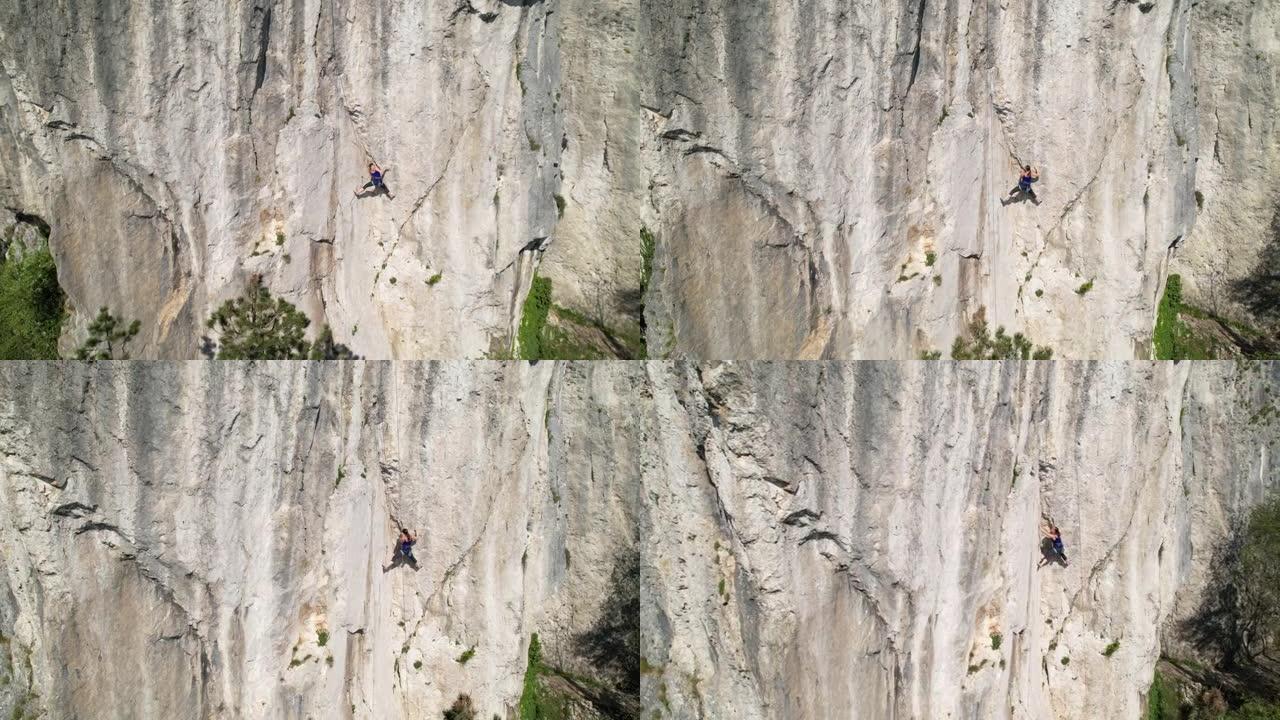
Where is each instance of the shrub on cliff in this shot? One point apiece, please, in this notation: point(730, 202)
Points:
point(31, 307)
point(109, 338)
point(462, 709)
point(982, 345)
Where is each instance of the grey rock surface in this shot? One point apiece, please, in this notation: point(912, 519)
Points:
point(831, 179)
point(213, 540)
point(862, 540)
point(825, 179)
point(813, 540)
point(177, 150)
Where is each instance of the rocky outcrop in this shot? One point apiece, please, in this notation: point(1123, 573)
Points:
point(864, 540)
point(824, 179)
point(213, 540)
point(832, 178)
point(177, 151)
point(782, 540)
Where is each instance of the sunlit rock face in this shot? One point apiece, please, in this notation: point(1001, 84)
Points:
point(865, 540)
point(215, 540)
point(178, 150)
point(832, 178)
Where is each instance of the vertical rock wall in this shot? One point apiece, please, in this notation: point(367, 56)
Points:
point(863, 540)
point(178, 149)
point(193, 541)
point(833, 176)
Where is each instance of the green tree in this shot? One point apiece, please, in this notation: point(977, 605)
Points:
point(1258, 577)
point(31, 307)
point(324, 348)
point(260, 327)
point(108, 338)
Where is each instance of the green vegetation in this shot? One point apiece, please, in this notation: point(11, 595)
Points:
point(1084, 288)
point(1066, 661)
point(533, 318)
point(982, 345)
point(417, 664)
point(1175, 338)
point(1111, 648)
point(930, 355)
point(1255, 710)
point(322, 637)
point(467, 655)
point(260, 327)
point(648, 246)
point(1039, 293)
point(929, 258)
point(324, 348)
point(435, 278)
point(534, 145)
point(570, 338)
point(1257, 579)
point(1199, 200)
point(462, 708)
point(108, 336)
point(560, 205)
point(996, 639)
point(1162, 700)
point(31, 307)
point(342, 473)
point(279, 238)
point(536, 703)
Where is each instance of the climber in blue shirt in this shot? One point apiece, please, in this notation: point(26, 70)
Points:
point(376, 181)
point(1054, 536)
point(1028, 176)
point(404, 551)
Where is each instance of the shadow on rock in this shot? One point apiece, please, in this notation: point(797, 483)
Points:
point(613, 642)
point(1221, 630)
point(1260, 290)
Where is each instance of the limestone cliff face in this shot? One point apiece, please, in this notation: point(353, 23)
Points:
point(827, 540)
point(210, 540)
point(829, 176)
point(825, 179)
point(861, 540)
point(178, 149)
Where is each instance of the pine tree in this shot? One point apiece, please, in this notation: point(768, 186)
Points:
point(108, 338)
point(324, 348)
point(259, 327)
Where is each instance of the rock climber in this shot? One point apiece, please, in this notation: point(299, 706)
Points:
point(408, 540)
point(376, 182)
point(404, 551)
point(1054, 536)
point(1028, 176)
